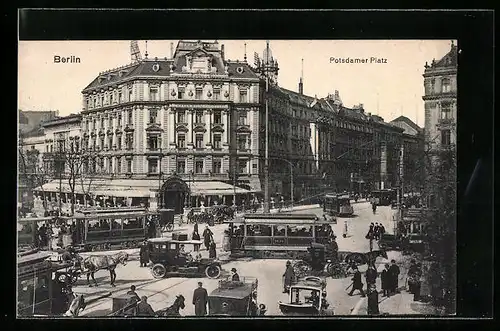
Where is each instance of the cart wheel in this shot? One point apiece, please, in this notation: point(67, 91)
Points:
point(213, 271)
point(330, 269)
point(158, 271)
point(169, 227)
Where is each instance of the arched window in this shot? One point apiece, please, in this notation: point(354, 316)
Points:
point(446, 85)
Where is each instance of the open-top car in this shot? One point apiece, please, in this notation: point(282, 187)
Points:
point(172, 258)
point(235, 298)
point(307, 298)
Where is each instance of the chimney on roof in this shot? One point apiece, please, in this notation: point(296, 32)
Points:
point(222, 52)
point(301, 83)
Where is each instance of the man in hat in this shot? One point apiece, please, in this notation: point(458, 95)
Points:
point(200, 300)
point(334, 247)
point(394, 275)
point(144, 308)
point(207, 236)
point(144, 254)
point(288, 277)
point(235, 277)
point(376, 231)
point(371, 276)
point(373, 300)
point(357, 284)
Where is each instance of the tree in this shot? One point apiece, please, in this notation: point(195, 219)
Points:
point(73, 167)
point(32, 175)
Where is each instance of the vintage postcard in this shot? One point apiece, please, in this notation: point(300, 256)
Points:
point(219, 178)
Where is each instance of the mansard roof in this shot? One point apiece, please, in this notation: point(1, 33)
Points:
point(408, 121)
point(447, 61)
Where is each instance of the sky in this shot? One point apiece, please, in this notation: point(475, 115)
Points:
point(390, 88)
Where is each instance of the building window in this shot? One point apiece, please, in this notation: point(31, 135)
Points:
point(216, 94)
point(153, 94)
point(445, 137)
point(217, 117)
point(199, 117)
point(199, 141)
point(446, 111)
point(198, 94)
point(102, 142)
point(77, 146)
point(129, 166)
point(242, 142)
point(130, 116)
point(242, 166)
point(102, 123)
point(110, 165)
point(153, 143)
point(180, 93)
point(130, 142)
point(153, 166)
point(445, 85)
point(119, 120)
point(130, 94)
point(120, 96)
point(153, 114)
point(198, 166)
point(243, 96)
point(217, 166)
point(101, 163)
point(181, 140)
point(181, 166)
point(110, 142)
point(118, 165)
point(242, 118)
point(118, 143)
point(181, 116)
point(217, 141)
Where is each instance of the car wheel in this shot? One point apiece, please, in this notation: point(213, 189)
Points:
point(158, 271)
point(170, 227)
point(213, 271)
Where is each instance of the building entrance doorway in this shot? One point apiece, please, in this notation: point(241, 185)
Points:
point(174, 194)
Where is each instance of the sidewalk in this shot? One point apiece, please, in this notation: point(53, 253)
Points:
point(399, 304)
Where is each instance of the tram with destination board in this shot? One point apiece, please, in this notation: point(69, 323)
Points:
point(275, 235)
point(96, 229)
point(385, 197)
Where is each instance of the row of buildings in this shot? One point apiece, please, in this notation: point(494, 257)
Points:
point(191, 130)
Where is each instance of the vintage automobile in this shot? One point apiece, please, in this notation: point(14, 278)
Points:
point(232, 298)
point(168, 260)
point(320, 262)
point(389, 242)
point(307, 298)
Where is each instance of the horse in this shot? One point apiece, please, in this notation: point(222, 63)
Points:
point(173, 310)
point(76, 306)
point(94, 263)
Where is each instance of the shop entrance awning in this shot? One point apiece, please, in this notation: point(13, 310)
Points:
point(215, 188)
point(110, 188)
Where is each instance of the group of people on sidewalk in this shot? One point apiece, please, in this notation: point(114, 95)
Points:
point(389, 278)
point(375, 231)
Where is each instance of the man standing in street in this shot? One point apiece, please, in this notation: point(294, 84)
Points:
point(200, 300)
point(207, 237)
point(357, 284)
point(394, 276)
point(371, 276)
point(288, 277)
point(144, 254)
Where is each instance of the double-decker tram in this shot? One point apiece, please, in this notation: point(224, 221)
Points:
point(276, 235)
point(337, 205)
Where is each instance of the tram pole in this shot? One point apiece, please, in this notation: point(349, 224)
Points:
point(266, 164)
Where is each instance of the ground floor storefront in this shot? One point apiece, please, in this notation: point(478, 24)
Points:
point(171, 193)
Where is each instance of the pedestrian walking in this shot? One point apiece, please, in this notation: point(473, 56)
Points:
point(371, 276)
point(345, 229)
point(382, 230)
point(144, 254)
point(288, 277)
point(373, 300)
point(414, 282)
point(212, 252)
point(144, 308)
point(357, 284)
point(200, 300)
point(369, 235)
point(384, 277)
point(394, 276)
point(207, 236)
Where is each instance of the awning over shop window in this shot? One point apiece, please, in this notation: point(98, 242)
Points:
point(111, 188)
point(215, 188)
